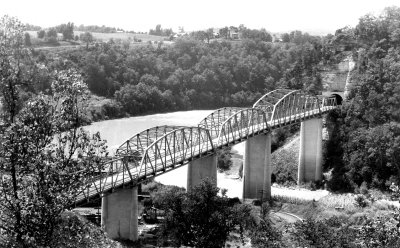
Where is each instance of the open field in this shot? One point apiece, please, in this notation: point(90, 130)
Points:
point(108, 36)
point(124, 36)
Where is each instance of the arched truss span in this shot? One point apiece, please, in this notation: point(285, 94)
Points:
point(269, 100)
point(177, 147)
point(241, 125)
point(292, 106)
point(135, 146)
point(214, 121)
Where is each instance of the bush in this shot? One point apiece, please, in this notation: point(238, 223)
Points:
point(329, 233)
point(75, 231)
point(224, 159)
point(361, 201)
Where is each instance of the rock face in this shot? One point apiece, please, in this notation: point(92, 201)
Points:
point(349, 83)
point(336, 79)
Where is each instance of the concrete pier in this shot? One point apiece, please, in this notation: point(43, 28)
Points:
point(310, 156)
point(201, 168)
point(257, 168)
point(119, 214)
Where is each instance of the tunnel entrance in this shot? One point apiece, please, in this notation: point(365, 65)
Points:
point(338, 98)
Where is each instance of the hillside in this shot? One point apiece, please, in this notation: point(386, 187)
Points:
point(284, 162)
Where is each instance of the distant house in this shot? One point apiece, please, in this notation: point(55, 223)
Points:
point(233, 33)
point(216, 32)
point(180, 34)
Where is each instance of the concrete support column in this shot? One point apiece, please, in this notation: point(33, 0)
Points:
point(310, 155)
point(257, 167)
point(104, 211)
point(119, 214)
point(201, 168)
point(267, 169)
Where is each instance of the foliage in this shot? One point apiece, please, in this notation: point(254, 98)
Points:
point(75, 231)
point(67, 30)
point(224, 161)
point(263, 233)
point(45, 155)
point(200, 217)
point(331, 233)
point(365, 143)
point(381, 232)
point(95, 29)
point(27, 40)
point(192, 74)
point(41, 33)
point(160, 32)
point(360, 201)
point(86, 37)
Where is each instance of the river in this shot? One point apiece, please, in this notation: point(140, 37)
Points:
point(118, 131)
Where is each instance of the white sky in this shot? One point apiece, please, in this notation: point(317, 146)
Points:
point(141, 15)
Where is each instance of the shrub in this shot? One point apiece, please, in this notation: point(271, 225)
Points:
point(224, 159)
point(76, 231)
point(361, 202)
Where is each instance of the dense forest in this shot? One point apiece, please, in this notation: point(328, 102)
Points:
point(192, 74)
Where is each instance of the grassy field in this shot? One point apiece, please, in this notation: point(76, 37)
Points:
point(106, 36)
point(123, 36)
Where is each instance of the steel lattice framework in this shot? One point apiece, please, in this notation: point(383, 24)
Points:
point(242, 125)
point(214, 121)
point(160, 149)
point(137, 144)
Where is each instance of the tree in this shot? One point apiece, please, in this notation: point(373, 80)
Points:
point(67, 30)
point(45, 157)
point(27, 40)
point(224, 32)
point(224, 159)
point(86, 37)
point(330, 233)
point(51, 33)
point(200, 217)
point(285, 37)
point(41, 34)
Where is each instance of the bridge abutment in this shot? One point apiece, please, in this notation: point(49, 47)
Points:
point(310, 155)
point(257, 167)
point(119, 214)
point(201, 168)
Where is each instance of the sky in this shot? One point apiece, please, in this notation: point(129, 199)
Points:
point(313, 16)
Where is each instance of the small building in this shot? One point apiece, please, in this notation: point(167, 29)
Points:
point(234, 35)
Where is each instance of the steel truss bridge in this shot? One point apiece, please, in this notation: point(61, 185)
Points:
point(160, 149)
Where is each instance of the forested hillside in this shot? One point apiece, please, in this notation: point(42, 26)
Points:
point(364, 149)
point(192, 74)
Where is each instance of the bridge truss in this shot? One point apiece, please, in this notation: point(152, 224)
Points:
point(160, 149)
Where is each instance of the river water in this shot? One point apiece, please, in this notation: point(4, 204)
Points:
point(118, 131)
